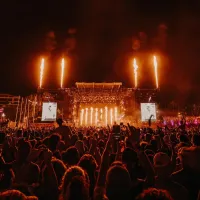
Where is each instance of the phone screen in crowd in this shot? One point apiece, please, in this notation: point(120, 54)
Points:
point(116, 132)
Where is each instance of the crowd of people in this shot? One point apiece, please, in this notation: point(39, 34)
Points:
point(96, 163)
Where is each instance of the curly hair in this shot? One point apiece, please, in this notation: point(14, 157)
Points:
point(154, 194)
point(70, 178)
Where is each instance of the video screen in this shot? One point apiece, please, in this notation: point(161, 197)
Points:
point(148, 110)
point(49, 111)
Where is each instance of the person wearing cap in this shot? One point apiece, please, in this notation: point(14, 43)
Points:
point(163, 168)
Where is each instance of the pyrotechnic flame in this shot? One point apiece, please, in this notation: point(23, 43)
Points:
point(41, 72)
point(135, 72)
point(96, 116)
point(111, 116)
point(62, 72)
point(86, 116)
point(106, 116)
point(155, 70)
point(81, 118)
point(91, 115)
point(101, 111)
point(115, 114)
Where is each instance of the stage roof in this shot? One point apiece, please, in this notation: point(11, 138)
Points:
point(83, 85)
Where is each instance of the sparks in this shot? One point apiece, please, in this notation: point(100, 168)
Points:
point(115, 114)
point(111, 116)
point(96, 116)
point(81, 117)
point(86, 117)
point(135, 72)
point(91, 116)
point(155, 70)
point(62, 72)
point(106, 116)
point(41, 72)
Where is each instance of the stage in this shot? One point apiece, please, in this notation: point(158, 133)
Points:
point(97, 104)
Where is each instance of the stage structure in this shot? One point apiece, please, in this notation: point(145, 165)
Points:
point(96, 104)
point(99, 104)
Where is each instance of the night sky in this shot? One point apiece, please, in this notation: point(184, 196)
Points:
point(104, 42)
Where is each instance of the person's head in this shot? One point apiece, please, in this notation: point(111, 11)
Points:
point(71, 156)
point(24, 150)
point(74, 176)
point(129, 158)
point(80, 136)
point(2, 137)
point(19, 133)
point(184, 138)
point(117, 163)
point(78, 189)
point(148, 137)
point(154, 144)
point(59, 121)
point(73, 140)
point(15, 195)
point(154, 194)
point(196, 140)
point(59, 168)
point(118, 183)
point(162, 165)
point(189, 157)
point(6, 177)
point(54, 140)
point(24, 188)
point(89, 164)
point(80, 147)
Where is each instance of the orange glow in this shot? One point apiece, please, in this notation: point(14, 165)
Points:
point(106, 116)
point(86, 117)
point(115, 114)
point(155, 70)
point(62, 72)
point(81, 118)
point(41, 72)
point(135, 72)
point(101, 111)
point(111, 116)
point(91, 116)
point(96, 116)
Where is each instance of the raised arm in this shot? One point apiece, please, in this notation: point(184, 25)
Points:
point(104, 164)
point(147, 166)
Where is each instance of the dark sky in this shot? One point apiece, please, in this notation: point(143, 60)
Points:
point(104, 32)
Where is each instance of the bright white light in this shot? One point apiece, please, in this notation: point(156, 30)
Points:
point(96, 116)
point(91, 116)
point(111, 116)
point(106, 116)
point(81, 117)
point(86, 116)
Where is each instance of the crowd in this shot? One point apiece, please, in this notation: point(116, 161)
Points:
point(74, 163)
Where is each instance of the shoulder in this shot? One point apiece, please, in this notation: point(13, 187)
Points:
point(34, 166)
point(179, 187)
point(177, 174)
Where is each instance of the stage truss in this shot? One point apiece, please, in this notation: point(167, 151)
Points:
point(91, 95)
